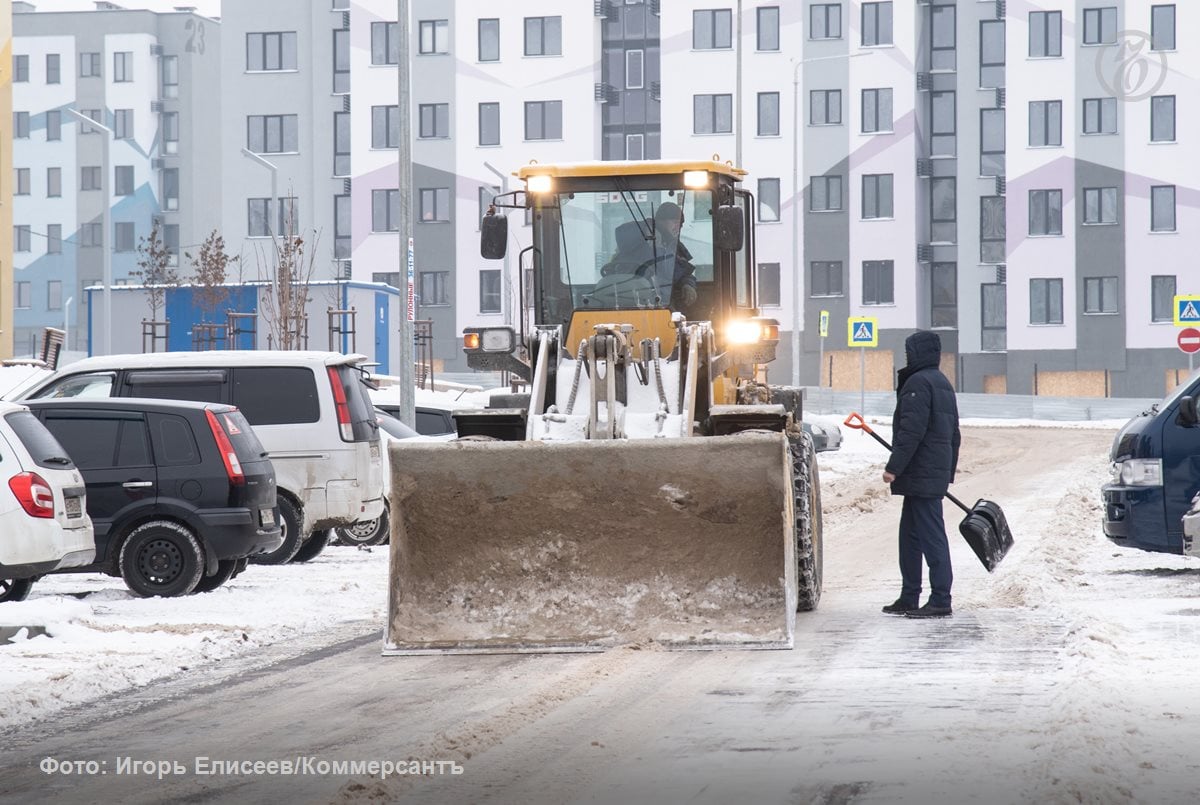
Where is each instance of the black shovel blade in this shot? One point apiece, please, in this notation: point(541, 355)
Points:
point(986, 530)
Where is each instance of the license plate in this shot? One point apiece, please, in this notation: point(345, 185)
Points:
point(74, 507)
point(266, 517)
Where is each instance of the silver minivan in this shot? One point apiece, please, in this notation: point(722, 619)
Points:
point(310, 410)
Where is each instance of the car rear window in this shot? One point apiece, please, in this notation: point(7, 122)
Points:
point(362, 413)
point(276, 395)
point(241, 435)
point(41, 444)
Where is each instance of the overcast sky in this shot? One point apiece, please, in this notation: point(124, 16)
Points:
point(210, 8)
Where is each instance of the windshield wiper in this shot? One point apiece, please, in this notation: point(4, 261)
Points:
point(57, 460)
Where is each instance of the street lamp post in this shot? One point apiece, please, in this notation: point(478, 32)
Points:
point(797, 269)
point(271, 202)
point(106, 225)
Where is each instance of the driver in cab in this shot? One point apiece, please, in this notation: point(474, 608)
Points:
point(666, 262)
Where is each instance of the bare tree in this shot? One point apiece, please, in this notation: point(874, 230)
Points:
point(154, 270)
point(285, 305)
point(211, 269)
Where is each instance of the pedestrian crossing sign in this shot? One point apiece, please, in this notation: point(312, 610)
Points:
point(1187, 311)
point(863, 331)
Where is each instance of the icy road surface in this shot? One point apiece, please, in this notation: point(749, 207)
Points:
point(1064, 677)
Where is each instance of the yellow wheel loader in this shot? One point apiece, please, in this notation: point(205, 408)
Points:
point(650, 486)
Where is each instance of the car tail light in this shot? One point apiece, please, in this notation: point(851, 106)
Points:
point(343, 408)
point(33, 493)
point(233, 467)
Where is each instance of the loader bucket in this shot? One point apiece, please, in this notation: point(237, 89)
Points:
point(581, 546)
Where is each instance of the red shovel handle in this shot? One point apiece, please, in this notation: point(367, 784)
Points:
point(856, 421)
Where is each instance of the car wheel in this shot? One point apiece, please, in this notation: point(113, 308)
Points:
point(239, 566)
point(291, 520)
point(15, 589)
point(161, 558)
point(313, 547)
point(368, 532)
point(226, 570)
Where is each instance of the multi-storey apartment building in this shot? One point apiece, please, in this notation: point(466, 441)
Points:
point(150, 79)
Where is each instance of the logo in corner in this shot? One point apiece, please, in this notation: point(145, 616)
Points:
point(1129, 69)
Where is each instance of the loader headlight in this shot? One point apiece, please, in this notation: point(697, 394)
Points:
point(695, 180)
point(1139, 471)
point(539, 184)
point(752, 331)
point(489, 339)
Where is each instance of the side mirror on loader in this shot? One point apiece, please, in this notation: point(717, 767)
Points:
point(493, 236)
point(1187, 416)
point(730, 232)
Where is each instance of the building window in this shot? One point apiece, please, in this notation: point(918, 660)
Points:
point(1045, 123)
point(89, 65)
point(991, 142)
point(435, 36)
point(768, 199)
point(878, 282)
point(1045, 301)
point(489, 40)
point(767, 28)
point(23, 294)
point(341, 61)
point(21, 184)
point(712, 114)
point(53, 239)
point(635, 69)
point(768, 285)
point(543, 36)
point(994, 321)
point(487, 195)
point(1162, 27)
point(1045, 34)
point(385, 127)
point(169, 75)
point(826, 278)
point(943, 295)
point(877, 195)
point(20, 125)
point(944, 40)
point(170, 188)
point(543, 120)
point(122, 67)
point(123, 180)
point(170, 132)
point(20, 69)
point(825, 107)
point(341, 143)
point(825, 194)
point(272, 134)
point(271, 51)
point(1100, 205)
point(1099, 26)
point(635, 146)
point(435, 204)
point(53, 182)
point(91, 234)
point(943, 218)
point(712, 29)
point(1162, 298)
point(1100, 116)
point(385, 43)
point(1045, 212)
point(1099, 294)
point(89, 177)
point(992, 229)
point(391, 278)
point(122, 124)
point(53, 68)
point(876, 24)
point(991, 54)
point(1162, 119)
point(22, 238)
point(943, 139)
point(170, 239)
point(768, 114)
point(54, 295)
point(435, 120)
point(489, 124)
point(342, 228)
point(434, 288)
point(123, 236)
point(1162, 208)
point(825, 21)
point(93, 114)
point(385, 210)
point(876, 110)
point(489, 291)
point(258, 217)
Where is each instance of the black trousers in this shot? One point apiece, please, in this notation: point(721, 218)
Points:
point(923, 535)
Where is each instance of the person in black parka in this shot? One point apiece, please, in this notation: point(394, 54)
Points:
point(925, 442)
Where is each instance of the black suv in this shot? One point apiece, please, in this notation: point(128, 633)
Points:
point(180, 493)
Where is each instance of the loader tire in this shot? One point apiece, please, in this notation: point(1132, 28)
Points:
point(806, 489)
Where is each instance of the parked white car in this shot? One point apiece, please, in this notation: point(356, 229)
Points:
point(44, 524)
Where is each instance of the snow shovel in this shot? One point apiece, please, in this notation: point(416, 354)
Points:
point(985, 528)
